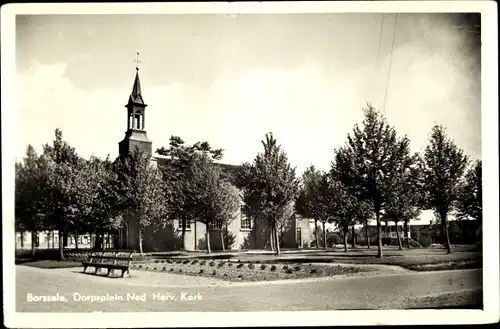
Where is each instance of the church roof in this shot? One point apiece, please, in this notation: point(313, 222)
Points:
point(136, 95)
point(229, 171)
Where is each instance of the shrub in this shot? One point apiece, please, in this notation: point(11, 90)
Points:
point(194, 262)
point(171, 270)
point(425, 240)
point(201, 271)
point(164, 269)
point(203, 262)
point(285, 267)
point(263, 266)
point(273, 268)
point(221, 264)
point(289, 271)
point(313, 271)
point(140, 266)
point(239, 260)
point(169, 261)
point(186, 261)
point(180, 270)
point(147, 267)
point(211, 264)
point(415, 244)
point(251, 266)
point(297, 268)
point(156, 261)
point(240, 276)
point(230, 264)
point(214, 272)
point(136, 257)
point(239, 265)
point(178, 261)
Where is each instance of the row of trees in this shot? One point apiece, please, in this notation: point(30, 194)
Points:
point(62, 191)
point(375, 175)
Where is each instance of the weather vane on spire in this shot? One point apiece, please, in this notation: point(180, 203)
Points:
point(137, 61)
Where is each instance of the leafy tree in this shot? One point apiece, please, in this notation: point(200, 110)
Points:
point(62, 184)
point(364, 213)
point(215, 201)
point(307, 203)
point(175, 167)
point(443, 169)
point(344, 208)
point(269, 185)
point(406, 195)
point(141, 189)
point(365, 164)
point(30, 178)
point(98, 199)
point(471, 194)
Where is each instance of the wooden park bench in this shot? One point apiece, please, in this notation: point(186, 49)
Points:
point(111, 260)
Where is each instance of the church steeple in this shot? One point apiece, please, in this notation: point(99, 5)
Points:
point(136, 96)
point(135, 136)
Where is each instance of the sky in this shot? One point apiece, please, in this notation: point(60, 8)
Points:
point(230, 79)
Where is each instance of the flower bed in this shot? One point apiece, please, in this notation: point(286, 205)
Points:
point(244, 271)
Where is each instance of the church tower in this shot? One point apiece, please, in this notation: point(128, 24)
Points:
point(135, 136)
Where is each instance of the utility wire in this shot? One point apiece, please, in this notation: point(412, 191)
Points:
point(378, 50)
point(390, 63)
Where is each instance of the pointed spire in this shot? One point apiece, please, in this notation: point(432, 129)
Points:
point(136, 95)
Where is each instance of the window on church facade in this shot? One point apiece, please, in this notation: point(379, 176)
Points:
point(246, 223)
point(214, 225)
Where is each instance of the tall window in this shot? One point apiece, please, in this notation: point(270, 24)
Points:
point(246, 223)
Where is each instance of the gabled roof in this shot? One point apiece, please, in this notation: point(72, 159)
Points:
point(229, 171)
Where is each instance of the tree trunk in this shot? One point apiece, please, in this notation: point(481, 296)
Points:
point(103, 241)
point(345, 241)
point(222, 240)
point(271, 238)
point(367, 235)
point(407, 235)
point(277, 239)
point(446, 237)
point(400, 246)
point(195, 238)
point(207, 239)
point(183, 226)
point(33, 243)
point(65, 239)
point(324, 236)
point(53, 240)
point(61, 245)
point(316, 232)
point(380, 253)
point(353, 233)
point(140, 241)
point(21, 233)
point(76, 240)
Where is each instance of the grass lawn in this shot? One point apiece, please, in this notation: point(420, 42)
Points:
point(50, 264)
point(244, 271)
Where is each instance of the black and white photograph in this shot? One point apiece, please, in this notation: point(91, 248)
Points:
point(213, 159)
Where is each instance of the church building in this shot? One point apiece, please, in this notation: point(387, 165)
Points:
point(242, 233)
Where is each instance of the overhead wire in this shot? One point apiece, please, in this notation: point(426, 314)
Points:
point(378, 50)
point(390, 64)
